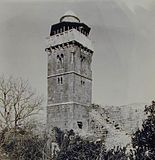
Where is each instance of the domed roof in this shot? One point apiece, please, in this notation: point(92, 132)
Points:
point(69, 16)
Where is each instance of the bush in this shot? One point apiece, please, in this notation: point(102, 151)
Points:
point(144, 139)
point(23, 145)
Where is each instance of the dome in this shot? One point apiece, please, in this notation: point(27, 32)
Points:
point(69, 16)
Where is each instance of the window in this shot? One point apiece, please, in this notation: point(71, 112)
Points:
point(82, 82)
point(60, 60)
point(82, 58)
point(60, 80)
point(79, 123)
point(62, 56)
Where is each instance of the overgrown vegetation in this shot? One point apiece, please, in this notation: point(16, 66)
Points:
point(73, 147)
point(22, 146)
point(144, 139)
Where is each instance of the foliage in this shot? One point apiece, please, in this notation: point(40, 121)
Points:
point(23, 146)
point(59, 135)
point(73, 147)
point(144, 139)
point(116, 153)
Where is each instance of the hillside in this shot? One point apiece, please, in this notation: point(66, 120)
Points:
point(119, 122)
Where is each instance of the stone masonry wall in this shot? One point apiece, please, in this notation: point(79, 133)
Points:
point(68, 116)
point(69, 87)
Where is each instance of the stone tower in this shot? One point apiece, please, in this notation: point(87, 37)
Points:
point(69, 74)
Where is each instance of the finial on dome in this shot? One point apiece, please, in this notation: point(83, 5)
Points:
point(69, 16)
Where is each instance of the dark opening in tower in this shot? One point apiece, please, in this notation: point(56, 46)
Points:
point(79, 123)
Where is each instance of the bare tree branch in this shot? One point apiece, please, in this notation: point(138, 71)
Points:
point(17, 102)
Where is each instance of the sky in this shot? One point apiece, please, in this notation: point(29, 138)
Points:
point(122, 33)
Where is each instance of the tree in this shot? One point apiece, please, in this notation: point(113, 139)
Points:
point(144, 139)
point(18, 102)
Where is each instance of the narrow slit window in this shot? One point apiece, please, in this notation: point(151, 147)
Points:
point(61, 80)
point(58, 80)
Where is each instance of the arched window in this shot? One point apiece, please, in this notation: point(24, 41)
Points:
point(60, 61)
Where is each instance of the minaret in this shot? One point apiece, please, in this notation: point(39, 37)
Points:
point(69, 74)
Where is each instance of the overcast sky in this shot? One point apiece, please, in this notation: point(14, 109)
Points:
point(123, 35)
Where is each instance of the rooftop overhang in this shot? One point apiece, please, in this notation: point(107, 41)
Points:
point(69, 36)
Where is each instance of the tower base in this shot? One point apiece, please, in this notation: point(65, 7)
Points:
point(68, 116)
